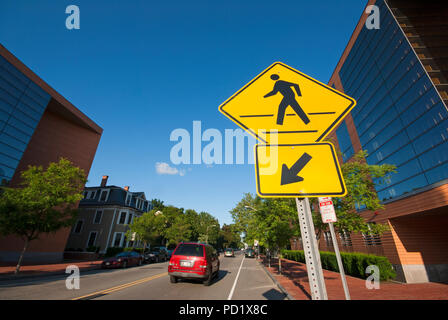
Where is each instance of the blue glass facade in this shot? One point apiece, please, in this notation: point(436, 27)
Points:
point(399, 117)
point(22, 104)
point(345, 143)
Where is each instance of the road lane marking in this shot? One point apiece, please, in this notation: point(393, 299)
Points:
point(121, 287)
point(236, 280)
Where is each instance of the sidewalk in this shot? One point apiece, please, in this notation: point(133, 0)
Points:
point(7, 269)
point(294, 280)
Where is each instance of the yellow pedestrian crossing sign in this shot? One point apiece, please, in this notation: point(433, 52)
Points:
point(298, 170)
point(283, 105)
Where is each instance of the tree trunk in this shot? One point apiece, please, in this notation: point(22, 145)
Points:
point(280, 263)
point(19, 263)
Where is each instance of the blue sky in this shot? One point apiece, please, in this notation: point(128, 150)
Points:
point(141, 69)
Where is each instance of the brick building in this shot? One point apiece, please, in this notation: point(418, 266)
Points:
point(398, 75)
point(38, 126)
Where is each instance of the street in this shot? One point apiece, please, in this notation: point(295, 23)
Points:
point(239, 278)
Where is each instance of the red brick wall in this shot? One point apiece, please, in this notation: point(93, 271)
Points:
point(54, 137)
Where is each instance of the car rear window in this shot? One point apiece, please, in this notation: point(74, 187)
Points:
point(194, 250)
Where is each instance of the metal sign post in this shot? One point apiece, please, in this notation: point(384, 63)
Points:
point(311, 250)
point(328, 215)
point(340, 265)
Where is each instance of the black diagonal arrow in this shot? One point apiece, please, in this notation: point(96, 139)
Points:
point(289, 175)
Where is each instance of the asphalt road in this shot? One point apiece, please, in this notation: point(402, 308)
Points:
point(239, 278)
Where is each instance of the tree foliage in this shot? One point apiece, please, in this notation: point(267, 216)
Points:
point(42, 203)
point(274, 221)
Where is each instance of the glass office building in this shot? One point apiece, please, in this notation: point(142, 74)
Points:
point(398, 76)
point(400, 117)
point(22, 104)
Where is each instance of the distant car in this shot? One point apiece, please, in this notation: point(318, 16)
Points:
point(250, 253)
point(157, 254)
point(194, 261)
point(123, 260)
point(229, 252)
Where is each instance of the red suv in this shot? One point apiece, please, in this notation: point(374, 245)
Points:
point(192, 260)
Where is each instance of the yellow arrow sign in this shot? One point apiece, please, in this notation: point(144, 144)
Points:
point(283, 105)
point(298, 170)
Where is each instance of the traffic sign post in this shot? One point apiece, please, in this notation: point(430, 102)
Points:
point(329, 216)
point(291, 113)
point(311, 250)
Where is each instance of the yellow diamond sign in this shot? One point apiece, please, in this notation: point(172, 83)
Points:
point(298, 170)
point(283, 105)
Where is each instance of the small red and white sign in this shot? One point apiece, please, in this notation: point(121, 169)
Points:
point(326, 209)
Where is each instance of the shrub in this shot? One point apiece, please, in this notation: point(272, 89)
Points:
point(354, 263)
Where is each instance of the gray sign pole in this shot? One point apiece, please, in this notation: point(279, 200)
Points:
point(311, 250)
point(340, 265)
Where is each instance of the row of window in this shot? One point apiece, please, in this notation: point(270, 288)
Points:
point(117, 241)
point(104, 196)
point(400, 118)
point(125, 217)
point(22, 104)
point(370, 239)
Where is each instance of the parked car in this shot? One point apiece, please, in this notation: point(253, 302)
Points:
point(123, 260)
point(250, 253)
point(194, 261)
point(229, 252)
point(156, 254)
point(170, 253)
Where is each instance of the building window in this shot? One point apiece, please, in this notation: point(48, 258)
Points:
point(118, 239)
point(128, 199)
point(130, 218)
point(92, 195)
point(370, 238)
point(98, 217)
point(104, 195)
point(78, 226)
point(122, 219)
point(346, 240)
point(92, 239)
point(345, 143)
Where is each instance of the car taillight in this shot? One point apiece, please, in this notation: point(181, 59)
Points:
point(203, 264)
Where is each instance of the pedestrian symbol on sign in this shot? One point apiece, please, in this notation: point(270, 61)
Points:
point(284, 88)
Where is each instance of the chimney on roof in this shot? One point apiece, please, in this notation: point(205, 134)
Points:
point(126, 188)
point(104, 181)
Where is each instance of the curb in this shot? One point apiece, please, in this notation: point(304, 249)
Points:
point(288, 296)
point(42, 274)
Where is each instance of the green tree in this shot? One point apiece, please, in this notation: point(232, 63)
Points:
point(148, 227)
point(361, 180)
point(207, 227)
point(42, 203)
point(179, 230)
point(243, 215)
point(157, 204)
point(229, 237)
